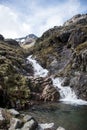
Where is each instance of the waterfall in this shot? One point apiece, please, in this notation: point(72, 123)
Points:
point(68, 95)
point(38, 70)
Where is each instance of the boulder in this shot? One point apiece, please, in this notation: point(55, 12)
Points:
point(46, 126)
point(15, 123)
point(1, 117)
point(27, 118)
point(50, 93)
point(30, 125)
point(13, 112)
point(60, 128)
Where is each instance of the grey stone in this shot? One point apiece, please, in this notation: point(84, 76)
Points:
point(1, 115)
point(14, 112)
point(60, 128)
point(27, 118)
point(46, 126)
point(15, 123)
point(30, 125)
point(66, 81)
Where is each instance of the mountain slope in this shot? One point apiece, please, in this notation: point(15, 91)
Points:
point(63, 50)
point(14, 86)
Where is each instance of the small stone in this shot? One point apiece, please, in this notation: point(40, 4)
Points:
point(46, 126)
point(27, 118)
point(30, 125)
point(15, 124)
point(14, 112)
point(1, 115)
point(60, 128)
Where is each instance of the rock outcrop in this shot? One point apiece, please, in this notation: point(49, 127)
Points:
point(77, 19)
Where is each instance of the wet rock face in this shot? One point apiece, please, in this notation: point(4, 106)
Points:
point(4, 119)
point(79, 84)
point(66, 81)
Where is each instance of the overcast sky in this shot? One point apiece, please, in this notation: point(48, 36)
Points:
point(21, 17)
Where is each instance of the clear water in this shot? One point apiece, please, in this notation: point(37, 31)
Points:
point(68, 116)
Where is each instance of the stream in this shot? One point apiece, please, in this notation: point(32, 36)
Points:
point(68, 116)
point(70, 112)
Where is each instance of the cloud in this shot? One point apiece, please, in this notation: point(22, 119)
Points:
point(36, 18)
point(11, 24)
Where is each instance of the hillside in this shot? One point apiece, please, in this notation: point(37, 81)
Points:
point(63, 51)
point(13, 70)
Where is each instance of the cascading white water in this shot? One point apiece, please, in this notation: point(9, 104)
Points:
point(38, 70)
point(67, 94)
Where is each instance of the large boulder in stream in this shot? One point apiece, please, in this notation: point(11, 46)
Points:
point(43, 90)
point(50, 93)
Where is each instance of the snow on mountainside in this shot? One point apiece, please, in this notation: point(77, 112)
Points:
point(27, 39)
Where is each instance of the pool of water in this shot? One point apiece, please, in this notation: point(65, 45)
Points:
point(68, 116)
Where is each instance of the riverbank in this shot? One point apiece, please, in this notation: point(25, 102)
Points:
point(10, 119)
point(46, 116)
point(71, 117)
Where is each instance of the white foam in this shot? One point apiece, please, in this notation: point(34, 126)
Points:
point(38, 70)
point(67, 94)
